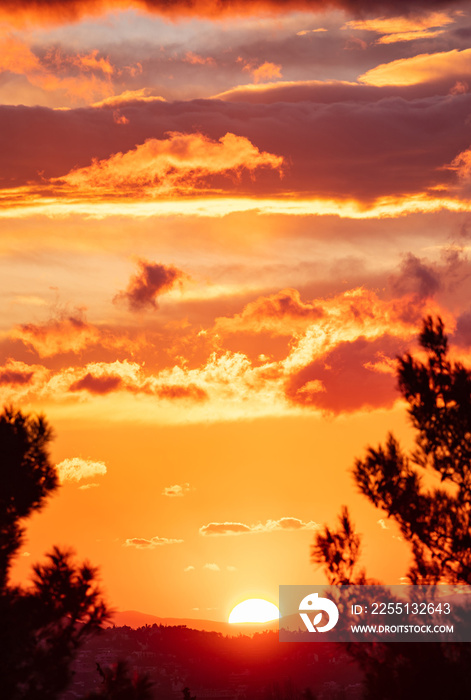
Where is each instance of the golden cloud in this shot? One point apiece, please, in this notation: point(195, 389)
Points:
point(266, 71)
point(76, 469)
point(228, 528)
point(177, 164)
point(142, 543)
point(92, 78)
point(67, 333)
point(420, 69)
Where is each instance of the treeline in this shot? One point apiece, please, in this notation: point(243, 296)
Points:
point(199, 659)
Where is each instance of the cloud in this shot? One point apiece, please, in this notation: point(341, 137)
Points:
point(265, 71)
point(76, 469)
point(102, 378)
point(228, 528)
point(176, 490)
point(197, 60)
point(347, 378)
point(406, 28)
point(128, 96)
point(304, 32)
point(152, 280)
point(68, 332)
point(85, 487)
point(142, 543)
point(282, 355)
point(462, 335)
point(58, 12)
point(382, 523)
point(277, 314)
point(231, 568)
point(92, 76)
point(11, 376)
point(415, 277)
point(211, 567)
point(190, 391)
point(189, 568)
point(423, 68)
point(103, 384)
point(390, 159)
point(181, 163)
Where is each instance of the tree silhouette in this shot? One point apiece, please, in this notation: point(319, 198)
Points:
point(119, 684)
point(27, 477)
point(436, 521)
point(340, 549)
point(41, 626)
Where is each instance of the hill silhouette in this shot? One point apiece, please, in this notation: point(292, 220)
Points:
point(136, 619)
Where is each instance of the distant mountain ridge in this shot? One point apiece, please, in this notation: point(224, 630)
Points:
point(135, 619)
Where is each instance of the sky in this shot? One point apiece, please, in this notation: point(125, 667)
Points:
point(220, 225)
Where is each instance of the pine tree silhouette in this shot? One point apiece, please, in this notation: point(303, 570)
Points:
point(41, 626)
point(435, 521)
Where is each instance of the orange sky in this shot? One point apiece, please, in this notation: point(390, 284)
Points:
point(217, 234)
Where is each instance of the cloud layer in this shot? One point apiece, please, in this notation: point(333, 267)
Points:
point(142, 543)
point(76, 469)
point(228, 528)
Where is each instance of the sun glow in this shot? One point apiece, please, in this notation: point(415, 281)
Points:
point(254, 610)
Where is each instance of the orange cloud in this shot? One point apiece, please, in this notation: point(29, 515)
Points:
point(176, 491)
point(418, 69)
point(228, 528)
point(16, 57)
point(58, 12)
point(395, 29)
point(142, 95)
point(190, 391)
point(266, 71)
point(167, 166)
point(68, 333)
point(304, 32)
point(197, 60)
point(142, 543)
point(97, 385)
point(462, 164)
point(278, 314)
point(10, 376)
point(340, 358)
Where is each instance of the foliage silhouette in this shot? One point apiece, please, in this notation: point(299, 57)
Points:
point(41, 626)
point(435, 521)
point(120, 684)
point(27, 478)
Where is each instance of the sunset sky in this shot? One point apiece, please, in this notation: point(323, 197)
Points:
point(220, 223)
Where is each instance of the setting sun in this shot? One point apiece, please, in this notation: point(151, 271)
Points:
point(254, 610)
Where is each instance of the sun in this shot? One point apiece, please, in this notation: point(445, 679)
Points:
point(254, 610)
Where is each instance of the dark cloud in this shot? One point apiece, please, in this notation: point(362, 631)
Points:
point(152, 280)
point(355, 375)
point(97, 385)
point(9, 376)
point(62, 11)
point(415, 277)
point(347, 148)
point(462, 334)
